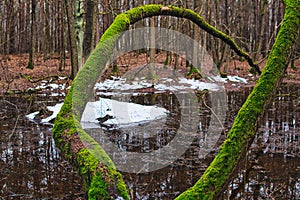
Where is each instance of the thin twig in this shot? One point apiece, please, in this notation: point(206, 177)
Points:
point(213, 112)
point(17, 119)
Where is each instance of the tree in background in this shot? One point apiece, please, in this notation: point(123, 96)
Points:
point(253, 24)
point(72, 39)
point(79, 29)
point(89, 33)
point(32, 30)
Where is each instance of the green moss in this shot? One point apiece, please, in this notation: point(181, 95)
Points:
point(88, 159)
point(121, 187)
point(30, 64)
point(98, 188)
point(194, 73)
point(87, 163)
point(244, 127)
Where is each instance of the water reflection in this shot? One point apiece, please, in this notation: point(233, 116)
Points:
point(31, 167)
point(151, 146)
point(271, 169)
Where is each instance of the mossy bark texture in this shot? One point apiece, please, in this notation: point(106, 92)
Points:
point(102, 179)
point(245, 124)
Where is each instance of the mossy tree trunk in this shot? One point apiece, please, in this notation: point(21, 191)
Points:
point(245, 124)
point(100, 175)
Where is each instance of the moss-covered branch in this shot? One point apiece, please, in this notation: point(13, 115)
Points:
point(245, 125)
point(155, 10)
point(100, 175)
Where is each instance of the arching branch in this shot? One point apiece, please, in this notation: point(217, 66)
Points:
point(245, 124)
point(97, 169)
point(155, 10)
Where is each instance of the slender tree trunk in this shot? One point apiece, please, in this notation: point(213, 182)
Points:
point(46, 31)
point(30, 64)
point(72, 39)
point(79, 29)
point(151, 72)
point(90, 20)
point(260, 29)
point(62, 51)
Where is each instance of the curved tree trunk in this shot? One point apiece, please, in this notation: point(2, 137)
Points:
point(245, 124)
point(100, 175)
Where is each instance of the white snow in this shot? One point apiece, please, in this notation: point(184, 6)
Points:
point(182, 84)
point(229, 78)
point(164, 84)
point(52, 86)
point(123, 113)
point(56, 108)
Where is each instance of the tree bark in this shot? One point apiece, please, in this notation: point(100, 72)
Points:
point(30, 64)
point(90, 19)
point(46, 31)
point(72, 39)
point(79, 27)
point(93, 162)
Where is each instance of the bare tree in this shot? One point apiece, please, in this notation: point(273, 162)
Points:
point(72, 39)
point(90, 23)
point(30, 64)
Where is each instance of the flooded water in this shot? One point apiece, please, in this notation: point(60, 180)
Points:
point(271, 169)
point(31, 167)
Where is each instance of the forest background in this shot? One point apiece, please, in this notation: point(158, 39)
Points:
point(40, 34)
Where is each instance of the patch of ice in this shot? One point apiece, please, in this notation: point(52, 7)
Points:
point(122, 113)
point(31, 116)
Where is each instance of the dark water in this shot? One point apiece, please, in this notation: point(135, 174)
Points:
point(271, 169)
point(31, 167)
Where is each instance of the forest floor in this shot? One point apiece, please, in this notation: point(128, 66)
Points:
point(16, 78)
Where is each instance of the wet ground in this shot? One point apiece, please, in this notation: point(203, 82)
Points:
point(31, 167)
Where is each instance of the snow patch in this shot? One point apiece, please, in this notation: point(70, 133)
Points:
point(122, 113)
point(229, 78)
point(180, 84)
point(55, 109)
